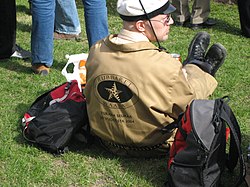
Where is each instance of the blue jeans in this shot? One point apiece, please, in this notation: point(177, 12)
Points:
point(66, 17)
point(43, 15)
point(95, 14)
point(96, 20)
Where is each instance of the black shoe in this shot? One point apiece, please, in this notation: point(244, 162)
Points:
point(182, 24)
point(208, 23)
point(215, 57)
point(21, 53)
point(198, 47)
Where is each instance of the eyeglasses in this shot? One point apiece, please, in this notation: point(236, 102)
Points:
point(164, 21)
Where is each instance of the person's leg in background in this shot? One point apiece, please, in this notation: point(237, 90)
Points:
point(200, 13)
point(67, 24)
point(96, 20)
point(43, 18)
point(8, 29)
point(244, 12)
point(8, 47)
point(182, 14)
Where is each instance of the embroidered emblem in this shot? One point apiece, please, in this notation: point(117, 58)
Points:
point(115, 91)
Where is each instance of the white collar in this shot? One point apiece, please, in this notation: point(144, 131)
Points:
point(126, 36)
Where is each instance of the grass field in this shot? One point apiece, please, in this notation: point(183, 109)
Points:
point(25, 165)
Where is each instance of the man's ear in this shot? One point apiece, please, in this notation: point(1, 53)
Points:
point(140, 25)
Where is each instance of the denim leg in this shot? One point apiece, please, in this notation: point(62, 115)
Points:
point(43, 15)
point(96, 20)
point(66, 17)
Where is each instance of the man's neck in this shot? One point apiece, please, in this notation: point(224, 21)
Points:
point(126, 36)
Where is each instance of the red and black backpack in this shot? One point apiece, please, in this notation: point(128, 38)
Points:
point(200, 151)
point(55, 117)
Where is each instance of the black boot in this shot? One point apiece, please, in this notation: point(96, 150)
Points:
point(215, 57)
point(198, 47)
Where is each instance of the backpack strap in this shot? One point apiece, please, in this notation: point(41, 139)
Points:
point(57, 100)
point(175, 124)
point(235, 151)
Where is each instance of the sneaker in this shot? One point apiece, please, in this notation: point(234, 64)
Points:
point(215, 57)
point(198, 47)
point(21, 53)
point(40, 69)
point(62, 36)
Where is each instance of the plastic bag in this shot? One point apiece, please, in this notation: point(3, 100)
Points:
point(79, 70)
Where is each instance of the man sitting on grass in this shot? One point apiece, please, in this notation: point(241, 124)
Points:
point(134, 88)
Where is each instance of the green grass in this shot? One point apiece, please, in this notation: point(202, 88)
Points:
point(25, 165)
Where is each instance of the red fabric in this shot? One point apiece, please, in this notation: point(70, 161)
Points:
point(179, 141)
point(26, 116)
point(74, 93)
point(227, 133)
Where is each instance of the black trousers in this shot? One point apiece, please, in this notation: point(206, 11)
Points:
point(244, 12)
point(8, 28)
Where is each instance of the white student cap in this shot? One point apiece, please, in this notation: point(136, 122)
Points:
point(134, 10)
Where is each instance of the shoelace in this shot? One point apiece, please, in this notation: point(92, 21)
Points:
point(198, 53)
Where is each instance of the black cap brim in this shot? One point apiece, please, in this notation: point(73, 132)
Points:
point(170, 9)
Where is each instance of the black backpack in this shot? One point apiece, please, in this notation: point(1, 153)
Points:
point(56, 117)
point(198, 154)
